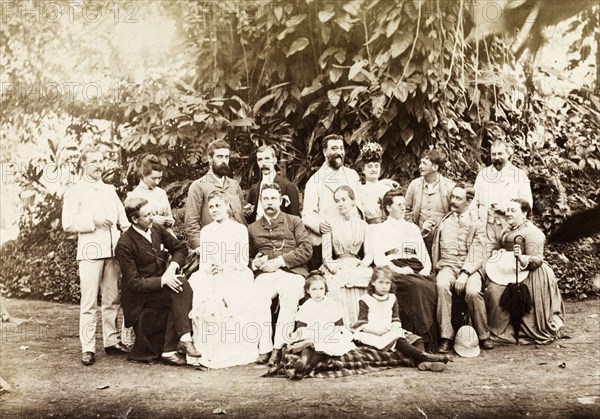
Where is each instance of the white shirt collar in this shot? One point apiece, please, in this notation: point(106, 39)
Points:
point(146, 234)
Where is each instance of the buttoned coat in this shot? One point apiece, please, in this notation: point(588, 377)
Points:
point(142, 265)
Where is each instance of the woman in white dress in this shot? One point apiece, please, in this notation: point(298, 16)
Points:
point(231, 321)
point(151, 173)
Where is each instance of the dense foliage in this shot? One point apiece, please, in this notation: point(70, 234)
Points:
point(286, 74)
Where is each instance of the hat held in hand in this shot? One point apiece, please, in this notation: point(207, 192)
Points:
point(501, 268)
point(466, 342)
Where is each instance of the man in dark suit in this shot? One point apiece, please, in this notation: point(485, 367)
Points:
point(279, 249)
point(155, 300)
point(266, 160)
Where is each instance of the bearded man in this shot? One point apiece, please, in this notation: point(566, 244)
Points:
point(319, 205)
point(217, 178)
point(496, 185)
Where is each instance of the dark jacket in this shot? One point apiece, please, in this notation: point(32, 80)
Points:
point(287, 188)
point(142, 264)
point(286, 237)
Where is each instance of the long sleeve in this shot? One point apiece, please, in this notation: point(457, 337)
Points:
point(310, 212)
point(122, 220)
point(294, 195)
point(176, 247)
point(363, 315)
point(368, 247)
point(409, 200)
point(193, 215)
point(252, 199)
point(76, 219)
point(167, 207)
point(478, 201)
point(478, 250)
point(379, 244)
point(125, 255)
point(422, 253)
point(327, 248)
point(303, 250)
point(396, 312)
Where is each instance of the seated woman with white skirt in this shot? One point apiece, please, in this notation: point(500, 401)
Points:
point(231, 321)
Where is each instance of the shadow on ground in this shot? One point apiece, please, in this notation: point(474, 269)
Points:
point(40, 360)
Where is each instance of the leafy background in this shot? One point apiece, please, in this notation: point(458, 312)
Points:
point(409, 74)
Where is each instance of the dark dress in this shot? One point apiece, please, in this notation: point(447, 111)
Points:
point(399, 242)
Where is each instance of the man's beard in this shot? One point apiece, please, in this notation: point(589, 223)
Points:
point(222, 169)
point(498, 164)
point(334, 163)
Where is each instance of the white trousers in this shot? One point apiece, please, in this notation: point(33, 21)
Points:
point(98, 275)
point(290, 289)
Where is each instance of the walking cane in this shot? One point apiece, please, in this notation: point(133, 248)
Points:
point(517, 321)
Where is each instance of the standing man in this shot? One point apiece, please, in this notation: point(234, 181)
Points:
point(279, 250)
point(496, 185)
point(319, 205)
point(459, 250)
point(156, 301)
point(217, 178)
point(266, 160)
point(428, 197)
point(93, 210)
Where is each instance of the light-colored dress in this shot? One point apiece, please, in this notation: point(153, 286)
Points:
point(230, 318)
point(350, 282)
point(372, 193)
point(321, 330)
point(157, 199)
point(543, 324)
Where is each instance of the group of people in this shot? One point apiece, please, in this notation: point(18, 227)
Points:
point(352, 265)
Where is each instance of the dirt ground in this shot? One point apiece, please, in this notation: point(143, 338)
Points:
point(40, 360)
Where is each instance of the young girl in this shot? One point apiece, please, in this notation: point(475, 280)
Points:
point(379, 324)
point(320, 330)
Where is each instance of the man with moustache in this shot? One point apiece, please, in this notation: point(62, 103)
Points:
point(156, 301)
point(93, 210)
point(266, 160)
point(459, 250)
point(496, 185)
point(428, 197)
point(279, 250)
point(217, 178)
point(319, 204)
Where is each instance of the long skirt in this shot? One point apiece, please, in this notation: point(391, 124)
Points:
point(230, 318)
point(540, 326)
point(417, 297)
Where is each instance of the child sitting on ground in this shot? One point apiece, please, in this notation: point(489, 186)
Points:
point(379, 324)
point(319, 328)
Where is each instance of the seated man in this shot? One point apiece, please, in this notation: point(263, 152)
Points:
point(279, 249)
point(459, 250)
point(155, 300)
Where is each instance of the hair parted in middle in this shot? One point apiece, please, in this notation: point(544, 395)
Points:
point(381, 271)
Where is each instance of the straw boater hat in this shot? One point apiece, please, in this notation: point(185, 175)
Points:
point(466, 342)
point(500, 268)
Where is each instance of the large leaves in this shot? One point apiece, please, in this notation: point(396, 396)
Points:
point(298, 45)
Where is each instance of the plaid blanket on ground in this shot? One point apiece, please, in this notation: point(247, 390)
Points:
point(358, 361)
